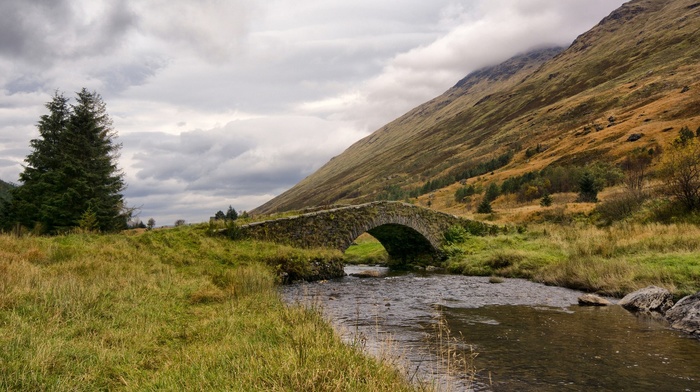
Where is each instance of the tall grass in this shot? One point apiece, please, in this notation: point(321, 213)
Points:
point(613, 260)
point(164, 310)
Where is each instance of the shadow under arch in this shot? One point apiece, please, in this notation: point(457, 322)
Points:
point(402, 243)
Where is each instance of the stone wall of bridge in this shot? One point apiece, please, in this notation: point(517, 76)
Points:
point(406, 231)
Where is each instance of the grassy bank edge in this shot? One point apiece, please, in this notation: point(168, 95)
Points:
point(613, 260)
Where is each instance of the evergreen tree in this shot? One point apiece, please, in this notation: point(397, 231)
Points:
point(484, 207)
point(588, 189)
point(231, 214)
point(492, 192)
point(72, 169)
point(219, 215)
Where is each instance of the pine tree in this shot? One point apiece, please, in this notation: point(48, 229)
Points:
point(492, 192)
point(72, 169)
point(484, 207)
point(588, 189)
point(231, 214)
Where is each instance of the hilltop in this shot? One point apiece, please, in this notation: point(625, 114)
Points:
point(634, 74)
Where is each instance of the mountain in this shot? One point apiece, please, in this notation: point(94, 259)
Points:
point(636, 74)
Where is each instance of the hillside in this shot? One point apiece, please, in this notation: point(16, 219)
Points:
point(636, 72)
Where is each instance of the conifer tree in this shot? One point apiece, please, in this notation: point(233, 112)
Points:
point(72, 169)
point(231, 214)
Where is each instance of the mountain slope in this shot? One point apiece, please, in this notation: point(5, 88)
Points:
point(636, 72)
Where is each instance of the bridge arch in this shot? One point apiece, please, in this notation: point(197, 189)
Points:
point(406, 231)
point(402, 239)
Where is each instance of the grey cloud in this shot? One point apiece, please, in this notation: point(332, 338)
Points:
point(243, 157)
point(46, 31)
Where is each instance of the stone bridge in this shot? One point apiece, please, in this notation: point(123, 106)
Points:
point(407, 232)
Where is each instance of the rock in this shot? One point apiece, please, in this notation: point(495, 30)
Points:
point(685, 315)
point(592, 300)
point(634, 137)
point(367, 274)
point(432, 268)
point(649, 299)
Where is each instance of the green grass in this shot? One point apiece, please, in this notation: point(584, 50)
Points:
point(366, 250)
point(614, 261)
point(165, 310)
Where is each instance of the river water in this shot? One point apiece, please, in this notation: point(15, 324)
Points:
point(524, 336)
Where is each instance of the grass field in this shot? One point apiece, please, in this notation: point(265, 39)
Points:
point(165, 310)
point(365, 250)
point(612, 260)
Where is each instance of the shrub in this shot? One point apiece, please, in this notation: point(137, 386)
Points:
point(484, 207)
point(455, 235)
point(680, 170)
point(620, 206)
point(546, 200)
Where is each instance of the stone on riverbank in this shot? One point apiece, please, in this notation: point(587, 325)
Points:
point(367, 274)
point(648, 300)
point(593, 300)
point(685, 315)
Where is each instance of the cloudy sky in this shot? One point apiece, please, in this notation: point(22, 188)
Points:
point(231, 102)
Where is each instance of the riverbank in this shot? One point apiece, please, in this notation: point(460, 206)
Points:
point(171, 309)
point(613, 260)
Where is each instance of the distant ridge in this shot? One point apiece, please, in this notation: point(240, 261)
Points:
point(636, 72)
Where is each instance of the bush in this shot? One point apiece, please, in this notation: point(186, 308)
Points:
point(620, 206)
point(680, 170)
point(484, 207)
point(546, 200)
point(455, 235)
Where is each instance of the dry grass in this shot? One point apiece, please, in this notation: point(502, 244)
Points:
point(164, 310)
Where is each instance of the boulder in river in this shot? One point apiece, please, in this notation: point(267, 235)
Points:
point(685, 315)
point(648, 300)
point(367, 274)
point(592, 300)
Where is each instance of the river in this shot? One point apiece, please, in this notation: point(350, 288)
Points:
point(524, 336)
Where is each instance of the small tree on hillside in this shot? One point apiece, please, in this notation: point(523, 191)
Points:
point(680, 170)
point(635, 165)
point(492, 192)
point(546, 200)
point(151, 224)
point(684, 136)
point(484, 207)
point(588, 190)
point(219, 215)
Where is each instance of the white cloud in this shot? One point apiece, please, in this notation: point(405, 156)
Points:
point(220, 103)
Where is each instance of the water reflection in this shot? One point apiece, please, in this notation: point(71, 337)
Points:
point(528, 336)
